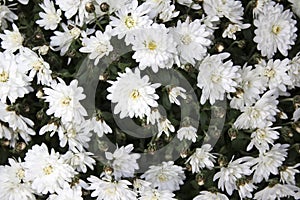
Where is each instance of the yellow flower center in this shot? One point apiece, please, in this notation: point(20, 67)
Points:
point(186, 39)
point(4, 77)
point(37, 65)
point(48, 170)
point(21, 174)
point(66, 101)
point(276, 29)
point(270, 73)
point(129, 22)
point(162, 177)
point(135, 94)
point(215, 78)
point(152, 45)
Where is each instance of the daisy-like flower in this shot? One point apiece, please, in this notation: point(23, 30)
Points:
point(232, 172)
point(174, 92)
point(261, 114)
point(161, 9)
point(64, 101)
point(165, 176)
point(232, 29)
point(6, 15)
point(276, 73)
point(151, 194)
point(262, 137)
point(268, 162)
point(295, 7)
point(128, 19)
point(206, 195)
point(287, 174)
point(189, 3)
point(250, 85)
point(124, 163)
point(61, 41)
point(46, 172)
point(111, 190)
point(259, 6)
point(277, 191)
point(14, 82)
point(202, 158)
point(193, 39)
point(276, 30)
point(164, 126)
point(13, 185)
point(99, 126)
point(154, 116)
point(110, 6)
point(50, 18)
point(245, 188)
point(97, 46)
point(134, 95)
point(294, 71)
point(12, 40)
point(215, 77)
point(188, 133)
point(154, 47)
point(67, 192)
point(79, 160)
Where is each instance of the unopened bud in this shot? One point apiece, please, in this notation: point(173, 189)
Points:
point(104, 7)
point(89, 7)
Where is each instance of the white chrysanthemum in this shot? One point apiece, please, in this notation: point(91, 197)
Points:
point(153, 194)
point(268, 162)
point(139, 185)
point(12, 40)
point(46, 172)
point(79, 160)
point(99, 126)
point(37, 66)
point(174, 92)
point(108, 190)
point(97, 46)
point(294, 71)
point(165, 176)
point(202, 158)
point(287, 174)
point(50, 18)
point(232, 172)
point(12, 183)
point(276, 73)
point(64, 101)
point(163, 9)
point(193, 39)
point(232, 29)
point(216, 77)
point(113, 5)
point(164, 126)
point(275, 192)
point(250, 85)
point(295, 6)
point(259, 6)
point(134, 95)
point(154, 47)
point(6, 15)
point(231, 9)
point(245, 188)
point(128, 19)
point(123, 162)
point(188, 133)
point(262, 137)
point(154, 116)
point(276, 30)
point(206, 195)
point(189, 3)
point(61, 41)
point(261, 114)
point(66, 193)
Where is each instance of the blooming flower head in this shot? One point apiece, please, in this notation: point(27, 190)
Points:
point(6, 16)
point(12, 40)
point(164, 126)
point(67, 192)
point(79, 160)
point(165, 176)
point(206, 195)
point(216, 77)
point(245, 188)
point(287, 174)
point(163, 9)
point(134, 95)
point(154, 47)
point(276, 191)
point(276, 30)
point(99, 126)
point(64, 101)
point(187, 132)
point(151, 194)
point(174, 92)
point(50, 16)
point(295, 7)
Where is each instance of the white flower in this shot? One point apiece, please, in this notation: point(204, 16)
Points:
point(294, 71)
point(97, 46)
point(206, 195)
point(193, 39)
point(46, 172)
point(245, 188)
point(6, 15)
point(108, 190)
point(189, 3)
point(99, 126)
point(231, 29)
point(165, 176)
point(139, 185)
point(276, 192)
point(259, 6)
point(12, 183)
point(276, 30)
point(232, 172)
point(134, 95)
point(14, 82)
point(157, 194)
point(79, 160)
point(215, 78)
point(50, 16)
point(124, 163)
point(161, 9)
point(174, 92)
point(296, 114)
point(164, 126)
point(188, 133)
point(202, 158)
point(67, 193)
point(154, 116)
point(261, 114)
point(114, 5)
point(154, 47)
point(167, 13)
point(64, 101)
point(287, 174)
point(268, 162)
point(128, 19)
point(262, 137)
point(250, 85)
point(63, 40)
point(12, 40)
point(5, 132)
point(24, 2)
point(295, 7)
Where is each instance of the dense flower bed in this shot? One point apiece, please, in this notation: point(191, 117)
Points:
point(149, 99)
